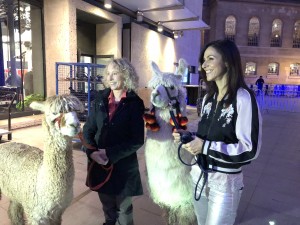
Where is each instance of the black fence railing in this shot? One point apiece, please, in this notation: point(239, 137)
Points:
point(8, 99)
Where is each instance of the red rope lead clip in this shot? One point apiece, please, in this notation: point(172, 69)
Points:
point(58, 119)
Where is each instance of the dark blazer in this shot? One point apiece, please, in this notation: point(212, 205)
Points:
point(121, 137)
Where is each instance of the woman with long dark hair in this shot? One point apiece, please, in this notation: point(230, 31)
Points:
point(228, 135)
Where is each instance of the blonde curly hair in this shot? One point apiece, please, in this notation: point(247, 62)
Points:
point(131, 79)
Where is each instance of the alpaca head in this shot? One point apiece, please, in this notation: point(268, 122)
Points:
point(167, 87)
point(60, 113)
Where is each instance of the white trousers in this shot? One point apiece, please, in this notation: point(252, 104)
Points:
point(217, 207)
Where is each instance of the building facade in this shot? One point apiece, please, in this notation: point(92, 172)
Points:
point(267, 33)
point(71, 31)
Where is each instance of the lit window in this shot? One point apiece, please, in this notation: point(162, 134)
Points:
point(253, 32)
point(230, 28)
point(276, 33)
point(296, 35)
point(295, 69)
point(250, 68)
point(273, 69)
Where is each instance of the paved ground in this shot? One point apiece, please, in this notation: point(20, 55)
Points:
point(272, 182)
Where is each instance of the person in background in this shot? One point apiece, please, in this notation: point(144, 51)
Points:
point(114, 131)
point(228, 136)
point(13, 80)
point(260, 83)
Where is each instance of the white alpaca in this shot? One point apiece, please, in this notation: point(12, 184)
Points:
point(169, 180)
point(39, 183)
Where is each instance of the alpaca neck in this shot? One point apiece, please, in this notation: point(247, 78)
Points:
point(163, 119)
point(58, 159)
point(58, 154)
point(163, 114)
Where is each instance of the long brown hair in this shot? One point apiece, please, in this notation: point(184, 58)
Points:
point(231, 57)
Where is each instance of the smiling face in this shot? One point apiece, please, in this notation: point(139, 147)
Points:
point(114, 77)
point(214, 65)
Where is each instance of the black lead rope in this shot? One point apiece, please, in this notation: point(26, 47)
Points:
point(185, 138)
point(204, 173)
point(205, 180)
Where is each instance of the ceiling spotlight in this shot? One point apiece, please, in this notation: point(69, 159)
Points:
point(159, 27)
point(176, 35)
point(139, 16)
point(107, 4)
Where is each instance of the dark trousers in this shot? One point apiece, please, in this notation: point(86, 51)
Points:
point(117, 209)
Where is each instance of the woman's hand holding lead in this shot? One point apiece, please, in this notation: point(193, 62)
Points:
point(176, 135)
point(100, 156)
point(194, 147)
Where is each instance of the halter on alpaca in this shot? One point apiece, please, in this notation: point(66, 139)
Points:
point(167, 89)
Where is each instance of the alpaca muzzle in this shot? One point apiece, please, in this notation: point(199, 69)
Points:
point(68, 121)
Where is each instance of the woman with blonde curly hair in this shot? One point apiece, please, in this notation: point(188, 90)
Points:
point(113, 132)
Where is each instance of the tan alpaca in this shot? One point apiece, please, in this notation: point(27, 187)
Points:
point(39, 183)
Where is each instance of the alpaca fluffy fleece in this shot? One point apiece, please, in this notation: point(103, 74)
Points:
point(168, 179)
point(39, 183)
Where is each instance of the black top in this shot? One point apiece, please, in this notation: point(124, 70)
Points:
point(122, 136)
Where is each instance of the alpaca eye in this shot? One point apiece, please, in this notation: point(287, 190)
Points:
point(172, 87)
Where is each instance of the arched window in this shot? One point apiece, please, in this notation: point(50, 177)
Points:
point(276, 33)
point(250, 68)
point(295, 69)
point(296, 36)
point(253, 32)
point(230, 28)
point(273, 69)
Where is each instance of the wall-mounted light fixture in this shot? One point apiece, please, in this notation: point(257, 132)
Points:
point(139, 16)
point(107, 4)
point(176, 35)
point(159, 27)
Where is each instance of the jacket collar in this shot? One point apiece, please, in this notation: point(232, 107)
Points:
point(106, 92)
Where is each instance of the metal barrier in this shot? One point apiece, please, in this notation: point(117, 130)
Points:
point(278, 99)
point(82, 80)
point(201, 94)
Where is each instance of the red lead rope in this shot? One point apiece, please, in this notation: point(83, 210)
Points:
point(95, 188)
point(58, 120)
point(109, 169)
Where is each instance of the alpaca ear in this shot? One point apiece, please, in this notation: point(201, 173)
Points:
point(38, 106)
point(182, 68)
point(155, 70)
point(182, 103)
